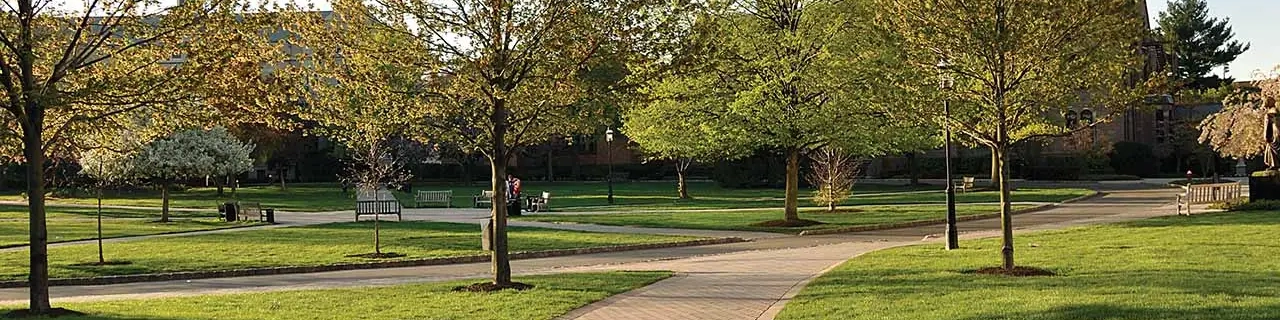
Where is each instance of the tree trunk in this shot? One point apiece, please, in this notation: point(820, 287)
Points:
point(500, 261)
point(281, 171)
point(220, 182)
point(682, 186)
point(792, 201)
point(101, 257)
point(551, 172)
point(1006, 212)
point(164, 206)
point(913, 168)
point(377, 227)
point(32, 150)
point(995, 166)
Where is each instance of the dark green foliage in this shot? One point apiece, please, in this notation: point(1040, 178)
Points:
point(1201, 43)
point(1133, 158)
point(1246, 205)
point(760, 170)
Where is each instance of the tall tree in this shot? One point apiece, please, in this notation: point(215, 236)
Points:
point(65, 68)
point(493, 76)
point(1017, 66)
point(780, 74)
point(1199, 42)
point(670, 130)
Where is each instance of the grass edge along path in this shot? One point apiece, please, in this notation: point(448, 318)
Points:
point(303, 246)
point(1210, 266)
point(747, 220)
point(75, 230)
point(552, 296)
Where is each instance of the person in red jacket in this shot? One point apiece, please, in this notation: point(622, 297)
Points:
point(513, 195)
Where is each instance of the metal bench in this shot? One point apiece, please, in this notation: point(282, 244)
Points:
point(536, 204)
point(377, 203)
point(433, 197)
point(484, 198)
point(1207, 193)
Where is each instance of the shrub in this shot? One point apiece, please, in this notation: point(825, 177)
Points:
point(1109, 177)
point(1133, 158)
point(1244, 204)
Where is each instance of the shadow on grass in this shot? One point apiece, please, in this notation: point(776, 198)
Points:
point(1256, 218)
point(1106, 311)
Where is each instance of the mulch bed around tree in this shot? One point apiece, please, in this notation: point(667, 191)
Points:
point(54, 313)
point(1018, 271)
point(786, 223)
point(99, 264)
point(384, 255)
point(491, 287)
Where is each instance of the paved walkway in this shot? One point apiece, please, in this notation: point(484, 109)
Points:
point(732, 281)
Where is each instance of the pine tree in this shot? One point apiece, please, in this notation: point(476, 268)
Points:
point(1201, 43)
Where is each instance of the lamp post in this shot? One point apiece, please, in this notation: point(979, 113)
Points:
point(608, 138)
point(944, 83)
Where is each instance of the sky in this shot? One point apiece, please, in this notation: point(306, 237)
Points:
point(1254, 21)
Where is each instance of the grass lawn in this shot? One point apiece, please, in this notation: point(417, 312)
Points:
point(316, 197)
point(302, 246)
point(863, 195)
point(552, 296)
point(70, 223)
point(14, 232)
point(1214, 266)
point(743, 220)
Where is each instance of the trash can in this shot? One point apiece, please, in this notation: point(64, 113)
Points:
point(271, 215)
point(513, 207)
point(486, 236)
point(229, 211)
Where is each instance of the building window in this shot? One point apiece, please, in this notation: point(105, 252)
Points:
point(1072, 120)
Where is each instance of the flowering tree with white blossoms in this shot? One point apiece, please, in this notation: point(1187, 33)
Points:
point(184, 155)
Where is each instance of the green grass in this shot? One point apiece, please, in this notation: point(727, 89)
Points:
point(14, 232)
point(63, 212)
point(552, 296)
point(316, 197)
point(743, 219)
point(767, 198)
point(72, 223)
point(303, 246)
point(1216, 266)
point(300, 197)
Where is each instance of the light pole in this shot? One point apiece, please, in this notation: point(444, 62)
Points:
point(608, 138)
point(944, 83)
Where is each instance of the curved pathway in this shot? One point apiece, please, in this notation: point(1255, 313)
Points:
point(733, 281)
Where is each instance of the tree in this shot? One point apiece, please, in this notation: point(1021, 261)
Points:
point(107, 167)
point(1015, 71)
point(784, 75)
point(489, 76)
point(64, 70)
point(1199, 42)
point(1240, 129)
point(190, 154)
point(373, 168)
point(669, 130)
point(834, 173)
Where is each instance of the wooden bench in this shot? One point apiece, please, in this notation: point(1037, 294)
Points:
point(433, 197)
point(536, 204)
point(1207, 193)
point(485, 197)
point(965, 184)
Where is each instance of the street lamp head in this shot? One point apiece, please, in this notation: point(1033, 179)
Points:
point(945, 79)
point(608, 135)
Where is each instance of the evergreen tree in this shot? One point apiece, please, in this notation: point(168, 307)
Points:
point(1200, 42)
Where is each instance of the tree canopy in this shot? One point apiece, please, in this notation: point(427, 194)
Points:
point(1200, 43)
